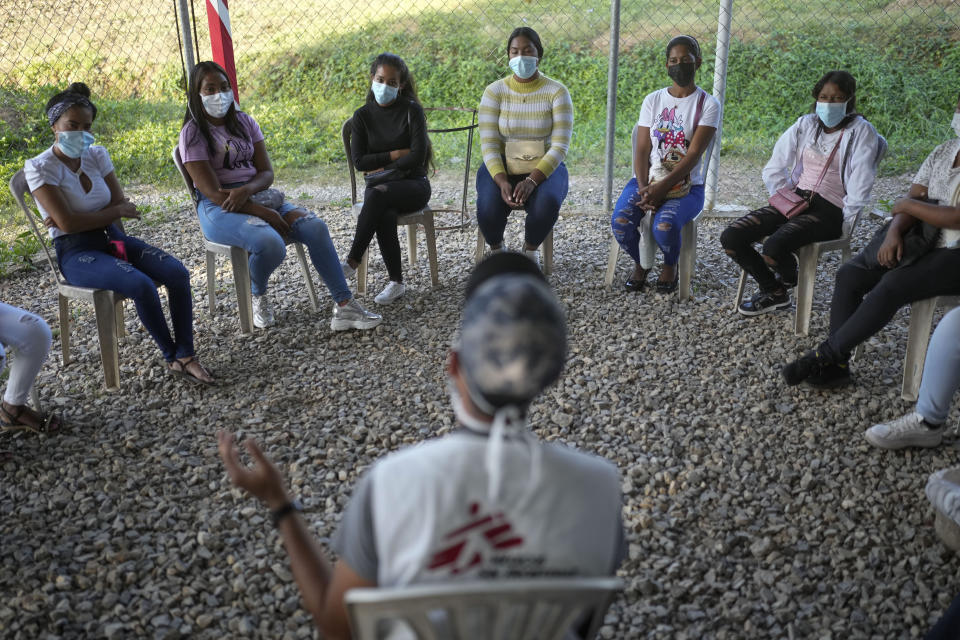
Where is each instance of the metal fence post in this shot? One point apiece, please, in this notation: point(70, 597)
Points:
point(187, 37)
point(719, 92)
point(611, 102)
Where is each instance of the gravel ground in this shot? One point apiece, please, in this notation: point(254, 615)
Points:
point(753, 509)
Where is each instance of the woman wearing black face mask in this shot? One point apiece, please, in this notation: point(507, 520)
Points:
point(675, 128)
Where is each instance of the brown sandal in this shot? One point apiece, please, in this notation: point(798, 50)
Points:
point(50, 424)
point(181, 369)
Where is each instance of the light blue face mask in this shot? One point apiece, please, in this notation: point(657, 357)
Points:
point(524, 66)
point(74, 143)
point(384, 93)
point(831, 113)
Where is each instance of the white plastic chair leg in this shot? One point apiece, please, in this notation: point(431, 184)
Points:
point(35, 399)
point(120, 325)
point(105, 313)
point(64, 307)
point(239, 262)
point(612, 262)
point(212, 280)
point(305, 267)
point(688, 258)
point(548, 254)
point(741, 287)
point(412, 243)
point(431, 236)
point(807, 258)
point(918, 337)
point(362, 274)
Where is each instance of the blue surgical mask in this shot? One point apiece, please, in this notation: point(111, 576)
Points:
point(74, 143)
point(217, 104)
point(384, 93)
point(831, 113)
point(524, 66)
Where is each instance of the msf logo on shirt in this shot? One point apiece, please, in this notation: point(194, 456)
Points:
point(467, 546)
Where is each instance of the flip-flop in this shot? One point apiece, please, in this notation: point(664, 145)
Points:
point(182, 372)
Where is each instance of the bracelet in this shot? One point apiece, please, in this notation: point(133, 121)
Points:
point(535, 183)
point(279, 514)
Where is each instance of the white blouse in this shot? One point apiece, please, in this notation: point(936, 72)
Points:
point(47, 168)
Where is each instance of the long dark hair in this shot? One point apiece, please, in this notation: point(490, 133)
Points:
point(196, 113)
point(846, 83)
point(408, 87)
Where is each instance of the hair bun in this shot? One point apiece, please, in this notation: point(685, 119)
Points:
point(79, 87)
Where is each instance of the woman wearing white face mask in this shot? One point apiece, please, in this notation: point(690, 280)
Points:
point(77, 191)
point(828, 157)
point(526, 121)
point(224, 152)
point(893, 270)
point(389, 144)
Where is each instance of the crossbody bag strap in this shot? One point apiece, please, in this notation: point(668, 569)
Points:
point(699, 111)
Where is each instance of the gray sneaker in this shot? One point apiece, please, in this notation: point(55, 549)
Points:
point(263, 312)
point(906, 431)
point(353, 316)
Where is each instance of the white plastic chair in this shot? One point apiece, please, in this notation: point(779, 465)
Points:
point(496, 609)
point(410, 220)
point(918, 338)
point(688, 239)
point(807, 258)
point(107, 305)
point(239, 263)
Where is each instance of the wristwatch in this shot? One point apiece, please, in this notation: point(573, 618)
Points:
point(279, 514)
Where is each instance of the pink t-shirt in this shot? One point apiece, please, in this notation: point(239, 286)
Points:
point(814, 157)
point(232, 159)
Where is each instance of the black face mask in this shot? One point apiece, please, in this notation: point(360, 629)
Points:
point(682, 73)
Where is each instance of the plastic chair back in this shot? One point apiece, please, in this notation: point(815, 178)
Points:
point(509, 609)
point(19, 189)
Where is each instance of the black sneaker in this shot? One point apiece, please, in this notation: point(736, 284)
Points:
point(830, 376)
point(809, 364)
point(764, 302)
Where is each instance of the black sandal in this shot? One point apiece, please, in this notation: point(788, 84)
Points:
point(637, 284)
point(50, 424)
point(179, 369)
point(669, 287)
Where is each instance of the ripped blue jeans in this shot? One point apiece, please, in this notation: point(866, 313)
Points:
point(639, 233)
point(267, 247)
point(85, 262)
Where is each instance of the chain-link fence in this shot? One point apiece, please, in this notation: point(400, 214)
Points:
point(303, 67)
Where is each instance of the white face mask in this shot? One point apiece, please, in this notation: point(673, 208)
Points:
point(218, 104)
point(956, 124)
point(463, 416)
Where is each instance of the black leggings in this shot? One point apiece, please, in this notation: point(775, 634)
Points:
point(381, 206)
point(821, 221)
point(865, 300)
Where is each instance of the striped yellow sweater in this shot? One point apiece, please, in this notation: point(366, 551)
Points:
point(538, 110)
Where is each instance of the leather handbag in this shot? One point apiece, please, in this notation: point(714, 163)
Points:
point(374, 178)
point(790, 203)
point(522, 156)
point(270, 198)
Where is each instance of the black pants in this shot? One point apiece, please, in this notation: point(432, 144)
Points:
point(381, 206)
point(865, 300)
point(820, 222)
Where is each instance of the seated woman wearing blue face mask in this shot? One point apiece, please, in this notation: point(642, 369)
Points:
point(828, 157)
point(77, 191)
point(224, 152)
point(389, 140)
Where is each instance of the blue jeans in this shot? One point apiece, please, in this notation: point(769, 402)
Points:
point(543, 207)
point(85, 262)
point(941, 370)
point(636, 231)
point(267, 247)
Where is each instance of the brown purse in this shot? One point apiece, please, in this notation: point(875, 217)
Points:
point(790, 203)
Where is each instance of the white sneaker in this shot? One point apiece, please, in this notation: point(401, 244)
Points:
point(533, 255)
point(906, 431)
point(348, 271)
point(391, 292)
point(263, 312)
point(353, 316)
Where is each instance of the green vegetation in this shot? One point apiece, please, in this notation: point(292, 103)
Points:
point(907, 65)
